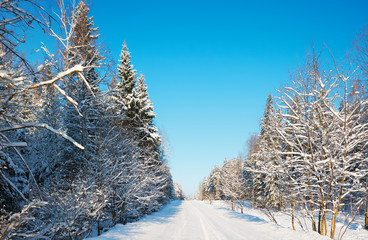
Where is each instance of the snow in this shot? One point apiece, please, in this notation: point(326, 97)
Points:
point(4, 74)
point(200, 220)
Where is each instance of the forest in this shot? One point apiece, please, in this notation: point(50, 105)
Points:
point(79, 149)
point(310, 158)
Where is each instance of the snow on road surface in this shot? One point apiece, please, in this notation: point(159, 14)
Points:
point(194, 220)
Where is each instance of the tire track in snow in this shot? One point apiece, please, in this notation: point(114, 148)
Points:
point(197, 220)
point(209, 222)
point(220, 225)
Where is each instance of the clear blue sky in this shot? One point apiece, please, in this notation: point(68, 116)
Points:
point(210, 65)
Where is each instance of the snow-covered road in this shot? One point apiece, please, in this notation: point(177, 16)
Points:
point(200, 220)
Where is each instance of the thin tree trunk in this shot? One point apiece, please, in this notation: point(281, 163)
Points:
point(312, 210)
point(325, 222)
point(292, 215)
point(333, 221)
point(366, 212)
point(322, 230)
point(123, 217)
point(319, 220)
point(335, 210)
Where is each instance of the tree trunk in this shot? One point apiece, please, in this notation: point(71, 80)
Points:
point(123, 217)
point(312, 210)
point(319, 220)
point(333, 221)
point(292, 215)
point(335, 210)
point(312, 205)
point(324, 224)
point(113, 215)
point(366, 213)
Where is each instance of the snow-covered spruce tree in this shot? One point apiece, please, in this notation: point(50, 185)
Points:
point(214, 184)
point(265, 177)
point(81, 123)
point(81, 172)
point(121, 92)
point(150, 184)
point(144, 116)
point(119, 97)
point(131, 106)
point(149, 142)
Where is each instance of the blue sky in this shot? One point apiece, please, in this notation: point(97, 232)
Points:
point(210, 65)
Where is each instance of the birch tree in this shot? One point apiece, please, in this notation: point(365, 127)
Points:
point(320, 139)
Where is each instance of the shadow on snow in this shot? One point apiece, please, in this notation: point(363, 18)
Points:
point(130, 229)
point(245, 216)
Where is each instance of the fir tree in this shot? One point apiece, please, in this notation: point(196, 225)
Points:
point(265, 180)
point(144, 117)
point(82, 124)
point(121, 94)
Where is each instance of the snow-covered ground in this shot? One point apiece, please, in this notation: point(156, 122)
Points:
point(355, 231)
point(201, 220)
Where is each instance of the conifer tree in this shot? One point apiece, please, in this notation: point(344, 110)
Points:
point(46, 143)
point(121, 93)
point(145, 129)
point(265, 178)
point(132, 113)
point(81, 124)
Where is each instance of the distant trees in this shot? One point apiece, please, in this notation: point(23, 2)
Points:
point(110, 168)
point(178, 191)
point(227, 182)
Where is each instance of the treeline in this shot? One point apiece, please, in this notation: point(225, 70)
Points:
point(225, 183)
point(310, 158)
point(79, 150)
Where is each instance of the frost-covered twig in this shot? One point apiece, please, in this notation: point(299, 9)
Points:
point(41, 125)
